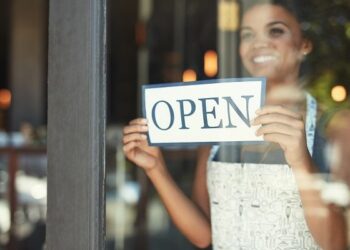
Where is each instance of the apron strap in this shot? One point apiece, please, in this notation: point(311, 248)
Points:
point(310, 123)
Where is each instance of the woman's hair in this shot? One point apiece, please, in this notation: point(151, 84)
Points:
point(298, 8)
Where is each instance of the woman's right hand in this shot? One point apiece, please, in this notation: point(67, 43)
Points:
point(136, 147)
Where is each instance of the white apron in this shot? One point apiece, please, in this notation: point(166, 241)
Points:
point(258, 206)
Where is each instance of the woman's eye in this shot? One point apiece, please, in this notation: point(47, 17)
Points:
point(246, 36)
point(276, 32)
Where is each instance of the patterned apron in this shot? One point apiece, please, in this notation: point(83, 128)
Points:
point(258, 206)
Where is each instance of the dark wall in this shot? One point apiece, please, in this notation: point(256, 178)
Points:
point(4, 32)
point(177, 35)
point(27, 62)
point(4, 25)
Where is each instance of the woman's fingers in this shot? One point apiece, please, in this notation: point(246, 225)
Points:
point(280, 110)
point(138, 125)
point(139, 153)
point(138, 121)
point(286, 128)
point(279, 128)
point(277, 121)
point(134, 134)
point(280, 125)
point(135, 128)
point(134, 137)
point(136, 146)
point(278, 118)
point(128, 147)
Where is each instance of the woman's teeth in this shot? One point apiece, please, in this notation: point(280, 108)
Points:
point(263, 59)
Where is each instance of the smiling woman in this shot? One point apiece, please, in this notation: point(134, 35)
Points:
point(256, 196)
point(270, 184)
point(272, 44)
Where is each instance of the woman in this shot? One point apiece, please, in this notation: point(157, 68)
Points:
point(236, 202)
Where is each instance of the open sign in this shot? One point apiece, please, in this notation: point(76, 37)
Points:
point(203, 111)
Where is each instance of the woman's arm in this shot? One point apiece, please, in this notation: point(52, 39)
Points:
point(326, 222)
point(285, 127)
point(199, 190)
point(188, 217)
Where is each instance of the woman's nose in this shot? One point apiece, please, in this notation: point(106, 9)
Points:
point(261, 42)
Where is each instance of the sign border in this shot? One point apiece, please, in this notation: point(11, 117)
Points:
point(201, 82)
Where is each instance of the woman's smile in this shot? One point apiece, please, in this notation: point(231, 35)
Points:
point(263, 59)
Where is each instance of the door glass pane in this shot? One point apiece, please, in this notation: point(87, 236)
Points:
point(23, 160)
point(297, 185)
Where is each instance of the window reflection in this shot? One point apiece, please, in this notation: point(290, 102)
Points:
point(182, 40)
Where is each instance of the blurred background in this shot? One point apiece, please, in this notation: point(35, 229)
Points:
point(149, 41)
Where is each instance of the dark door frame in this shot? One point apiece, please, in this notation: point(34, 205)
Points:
point(76, 124)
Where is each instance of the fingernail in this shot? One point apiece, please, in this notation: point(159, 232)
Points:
point(252, 122)
point(144, 128)
point(258, 111)
point(143, 136)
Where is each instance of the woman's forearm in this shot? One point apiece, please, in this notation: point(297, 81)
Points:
point(326, 223)
point(185, 214)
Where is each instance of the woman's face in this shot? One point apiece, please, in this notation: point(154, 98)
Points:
point(272, 44)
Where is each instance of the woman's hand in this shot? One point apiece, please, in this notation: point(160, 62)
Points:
point(136, 147)
point(287, 128)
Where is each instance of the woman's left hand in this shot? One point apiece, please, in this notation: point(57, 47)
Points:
point(287, 128)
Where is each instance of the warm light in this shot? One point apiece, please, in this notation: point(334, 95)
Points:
point(189, 75)
point(210, 63)
point(5, 98)
point(228, 15)
point(338, 93)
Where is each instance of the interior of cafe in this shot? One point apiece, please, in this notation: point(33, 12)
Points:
point(149, 42)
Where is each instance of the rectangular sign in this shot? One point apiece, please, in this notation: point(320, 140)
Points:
point(203, 112)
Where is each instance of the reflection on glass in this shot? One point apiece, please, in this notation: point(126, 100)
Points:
point(292, 189)
point(339, 93)
point(4, 204)
point(189, 75)
point(5, 98)
point(23, 195)
point(31, 189)
point(211, 63)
